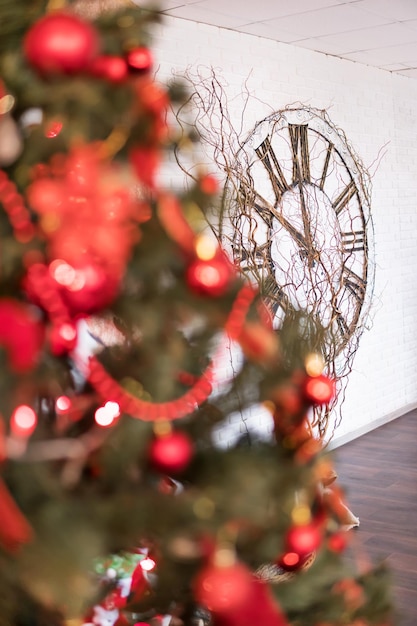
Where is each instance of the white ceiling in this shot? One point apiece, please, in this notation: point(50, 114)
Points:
point(380, 33)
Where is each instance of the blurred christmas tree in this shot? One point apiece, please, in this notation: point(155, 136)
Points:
point(115, 504)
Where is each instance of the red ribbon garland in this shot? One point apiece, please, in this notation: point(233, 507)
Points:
point(109, 389)
point(14, 205)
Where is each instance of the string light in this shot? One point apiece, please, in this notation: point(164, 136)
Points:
point(290, 559)
point(63, 404)
point(106, 415)
point(314, 364)
point(147, 564)
point(23, 421)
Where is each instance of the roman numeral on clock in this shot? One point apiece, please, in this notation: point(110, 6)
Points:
point(344, 197)
point(342, 326)
point(275, 173)
point(354, 284)
point(300, 154)
point(275, 295)
point(353, 241)
point(326, 165)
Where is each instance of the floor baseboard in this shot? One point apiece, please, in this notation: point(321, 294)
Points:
point(336, 442)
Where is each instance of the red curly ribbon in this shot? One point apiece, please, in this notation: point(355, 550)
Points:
point(14, 205)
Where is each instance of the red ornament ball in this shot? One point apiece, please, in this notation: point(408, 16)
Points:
point(85, 288)
point(139, 59)
point(303, 539)
point(63, 338)
point(319, 389)
point(61, 43)
point(223, 589)
point(171, 453)
point(110, 67)
point(210, 277)
point(209, 185)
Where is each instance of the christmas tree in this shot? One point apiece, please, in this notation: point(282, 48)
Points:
point(117, 505)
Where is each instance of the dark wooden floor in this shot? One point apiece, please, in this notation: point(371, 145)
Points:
point(379, 474)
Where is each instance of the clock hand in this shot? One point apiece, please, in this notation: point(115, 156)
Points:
point(265, 210)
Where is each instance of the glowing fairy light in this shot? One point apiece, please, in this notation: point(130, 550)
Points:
point(205, 248)
point(23, 421)
point(63, 404)
point(147, 564)
point(106, 415)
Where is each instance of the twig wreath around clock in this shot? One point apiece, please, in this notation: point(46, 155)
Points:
point(297, 221)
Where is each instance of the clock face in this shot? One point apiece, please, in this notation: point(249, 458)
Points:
point(299, 223)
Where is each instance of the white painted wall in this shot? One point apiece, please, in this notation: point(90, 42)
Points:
point(378, 112)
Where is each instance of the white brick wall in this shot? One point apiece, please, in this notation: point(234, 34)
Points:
point(375, 109)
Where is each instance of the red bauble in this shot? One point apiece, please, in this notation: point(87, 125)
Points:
point(209, 184)
point(210, 277)
point(223, 589)
point(139, 59)
point(85, 288)
point(145, 163)
point(110, 67)
point(255, 605)
point(21, 333)
point(319, 389)
point(171, 453)
point(139, 585)
point(303, 539)
point(61, 43)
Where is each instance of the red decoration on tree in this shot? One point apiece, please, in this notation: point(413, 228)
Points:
point(87, 287)
point(259, 343)
point(319, 389)
point(109, 67)
point(292, 561)
point(139, 59)
point(42, 290)
point(14, 206)
point(171, 453)
point(337, 542)
point(23, 421)
point(303, 539)
point(139, 585)
point(153, 101)
point(61, 43)
point(107, 387)
point(209, 184)
point(172, 218)
point(145, 163)
point(85, 211)
point(14, 528)
point(21, 333)
point(223, 589)
point(63, 338)
point(211, 277)
point(253, 602)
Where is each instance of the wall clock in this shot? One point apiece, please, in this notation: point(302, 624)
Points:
point(298, 222)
